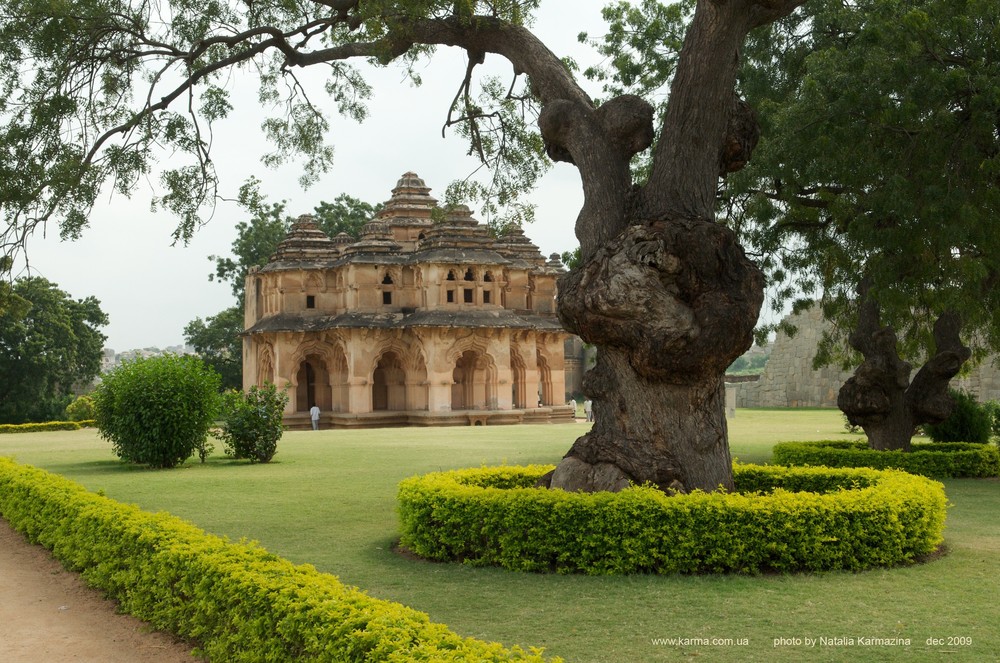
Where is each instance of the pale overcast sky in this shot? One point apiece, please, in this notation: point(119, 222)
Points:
point(151, 290)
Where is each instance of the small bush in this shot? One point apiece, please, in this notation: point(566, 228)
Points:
point(81, 409)
point(782, 519)
point(939, 460)
point(993, 409)
point(969, 421)
point(204, 449)
point(251, 422)
point(157, 411)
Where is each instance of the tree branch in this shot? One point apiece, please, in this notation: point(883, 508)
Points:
point(686, 164)
point(927, 395)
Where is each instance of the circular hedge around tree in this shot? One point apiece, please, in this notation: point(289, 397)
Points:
point(779, 519)
point(940, 460)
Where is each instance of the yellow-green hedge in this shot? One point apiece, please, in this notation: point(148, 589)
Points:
point(780, 519)
point(236, 599)
point(940, 459)
point(47, 426)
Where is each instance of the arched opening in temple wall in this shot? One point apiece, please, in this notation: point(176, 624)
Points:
point(545, 395)
point(265, 366)
point(474, 382)
point(389, 383)
point(339, 383)
point(416, 385)
point(312, 384)
point(518, 372)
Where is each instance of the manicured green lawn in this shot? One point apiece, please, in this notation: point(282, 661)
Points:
point(329, 498)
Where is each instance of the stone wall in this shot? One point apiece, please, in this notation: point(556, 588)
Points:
point(983, 381)
point(789, 379)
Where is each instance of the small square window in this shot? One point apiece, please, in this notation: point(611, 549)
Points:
point(451, 296)
point(486, 296)
point(468, 296)
point(310, 301)
point(387, 298)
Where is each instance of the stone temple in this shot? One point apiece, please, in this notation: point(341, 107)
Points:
point(427, 319)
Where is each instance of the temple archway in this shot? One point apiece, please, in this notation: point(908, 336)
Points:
point(339, 382)
point(474, 382)
point(518, 371)
point(416, 385)
point(312, 385)
point(545, 395)
point(265, 365)
point(389, 383)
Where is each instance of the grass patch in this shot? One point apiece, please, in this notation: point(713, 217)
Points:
point(329, 499)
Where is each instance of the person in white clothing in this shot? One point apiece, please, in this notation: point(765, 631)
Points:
point(314, 415)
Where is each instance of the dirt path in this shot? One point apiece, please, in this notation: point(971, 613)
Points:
point(49, 614)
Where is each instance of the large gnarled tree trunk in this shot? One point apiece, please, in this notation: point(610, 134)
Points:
point(665, 293)
point(880, 397)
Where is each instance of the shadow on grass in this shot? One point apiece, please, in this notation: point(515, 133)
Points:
point(113, 466)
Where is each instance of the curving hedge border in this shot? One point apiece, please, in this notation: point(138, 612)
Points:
point(940, 459)
point(241, 602)
point(781, 519)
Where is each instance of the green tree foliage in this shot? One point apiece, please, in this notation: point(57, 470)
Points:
point(81, 409)
point(251, 422)
point(157, 411)
point(257, 239)
point(880, 161)
point(969, 421)
point(572, 258)
point(878, 156)
point(873, 187)
point(217, 341)
point(748, 365)
point(94, 90)
point(48, 343)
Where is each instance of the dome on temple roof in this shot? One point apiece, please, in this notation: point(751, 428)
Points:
point(513, 243)
point(409, 194)
point(376, 228)
point(304, 242)
point(460, 215)
point(555, 263)
point(376, 237)
point(411, 180)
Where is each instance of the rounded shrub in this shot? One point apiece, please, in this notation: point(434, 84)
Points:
point(969, 421)
point(81, 409)
point(993, 409)
point(157, 411)
point(940, 460)
point(251, 422)
point(779, 519)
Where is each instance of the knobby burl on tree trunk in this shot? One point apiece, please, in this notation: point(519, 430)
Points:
point(880, 397)
point(670, 304)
